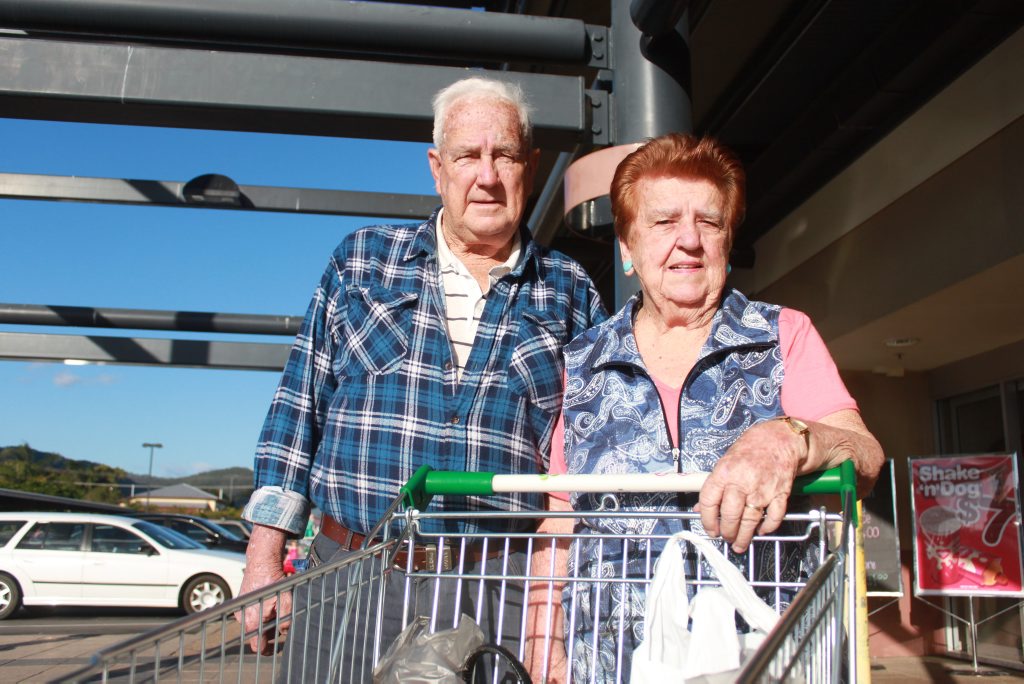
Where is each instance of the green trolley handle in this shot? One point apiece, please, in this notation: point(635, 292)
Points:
point(427, 483)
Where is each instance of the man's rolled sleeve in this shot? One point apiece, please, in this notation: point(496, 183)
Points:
point(278, 508)
point(291, 431)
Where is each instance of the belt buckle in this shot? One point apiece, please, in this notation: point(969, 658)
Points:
point(446, 557)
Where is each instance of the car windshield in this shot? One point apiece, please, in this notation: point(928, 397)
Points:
point(224, 532)
point(167, 537)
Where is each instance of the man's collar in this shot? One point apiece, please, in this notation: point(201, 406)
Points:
point(429, 233)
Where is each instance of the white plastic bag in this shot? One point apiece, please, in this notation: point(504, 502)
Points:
point(670, 652)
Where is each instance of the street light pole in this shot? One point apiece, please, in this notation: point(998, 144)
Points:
point(150, 446)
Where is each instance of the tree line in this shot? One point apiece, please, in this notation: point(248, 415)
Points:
point(28, 470)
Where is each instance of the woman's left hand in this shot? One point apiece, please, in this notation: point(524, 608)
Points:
point(747, 492)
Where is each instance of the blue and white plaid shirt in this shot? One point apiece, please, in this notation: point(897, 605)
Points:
point(370, 393)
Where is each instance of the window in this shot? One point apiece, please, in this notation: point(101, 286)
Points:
point(54, 536)
point(8, 528)
point(190, 530)
point(168, 537)
point(111, 539)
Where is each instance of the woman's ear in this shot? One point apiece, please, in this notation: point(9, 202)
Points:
point(627, 257)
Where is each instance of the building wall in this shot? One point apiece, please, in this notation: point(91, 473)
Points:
point(898, 410)
point(921, 237)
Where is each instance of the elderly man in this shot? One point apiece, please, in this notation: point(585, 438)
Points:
point(438, 343)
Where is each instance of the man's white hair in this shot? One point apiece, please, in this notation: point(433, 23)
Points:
point(482, 89)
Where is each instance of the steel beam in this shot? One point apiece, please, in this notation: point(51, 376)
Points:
point(374, 28)
point(159, 86)
point(254, 197)
point(143, 351)
point(146, 319)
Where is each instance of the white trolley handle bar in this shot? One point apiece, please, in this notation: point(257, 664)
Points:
point(600, 483)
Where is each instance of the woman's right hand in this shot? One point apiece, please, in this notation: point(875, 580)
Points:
point(747, 492)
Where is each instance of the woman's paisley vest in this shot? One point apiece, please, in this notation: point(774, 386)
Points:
point(614, 423)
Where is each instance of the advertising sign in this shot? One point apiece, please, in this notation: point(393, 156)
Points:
point(881, 537)
point(966, 526)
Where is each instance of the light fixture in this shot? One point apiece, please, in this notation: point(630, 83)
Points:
point(901, 342)
point(212, 189)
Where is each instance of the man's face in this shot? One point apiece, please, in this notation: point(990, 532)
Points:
point(483, 173)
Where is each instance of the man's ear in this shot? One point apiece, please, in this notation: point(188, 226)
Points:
point(434, 157)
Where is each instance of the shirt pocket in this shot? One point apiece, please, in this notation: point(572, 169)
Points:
point(375, 334)
point(535, 370)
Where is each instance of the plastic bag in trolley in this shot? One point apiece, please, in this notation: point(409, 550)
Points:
point(673, 652)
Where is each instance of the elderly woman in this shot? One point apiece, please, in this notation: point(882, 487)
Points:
point(692, 376)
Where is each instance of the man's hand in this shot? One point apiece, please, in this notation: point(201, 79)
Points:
point(264, 565)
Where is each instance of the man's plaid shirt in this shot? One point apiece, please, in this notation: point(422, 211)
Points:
point(369, 393)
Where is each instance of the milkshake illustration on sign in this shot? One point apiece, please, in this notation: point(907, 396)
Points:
point(941, 529)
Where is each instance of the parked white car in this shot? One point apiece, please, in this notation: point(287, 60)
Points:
point(84, 559)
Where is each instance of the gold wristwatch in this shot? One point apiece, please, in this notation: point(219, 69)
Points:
point(799, 427)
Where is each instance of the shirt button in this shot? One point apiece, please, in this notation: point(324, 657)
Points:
point(447, 365)
point(455, 420)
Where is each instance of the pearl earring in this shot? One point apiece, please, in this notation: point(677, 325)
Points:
point(627, 265)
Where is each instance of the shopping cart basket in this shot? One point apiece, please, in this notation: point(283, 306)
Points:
point(352, 608)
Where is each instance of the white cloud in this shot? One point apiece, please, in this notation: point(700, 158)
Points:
point(66, 379)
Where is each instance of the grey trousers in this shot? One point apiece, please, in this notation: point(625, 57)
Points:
point(337, 618)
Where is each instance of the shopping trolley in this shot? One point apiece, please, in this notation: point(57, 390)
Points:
point(348, 611)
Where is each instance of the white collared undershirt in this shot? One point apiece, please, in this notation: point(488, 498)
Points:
point(464, 299)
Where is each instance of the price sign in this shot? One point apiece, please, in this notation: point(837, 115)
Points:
point(881, 537)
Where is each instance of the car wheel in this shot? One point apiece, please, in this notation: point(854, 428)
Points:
point(202, 592)
point(10, 595)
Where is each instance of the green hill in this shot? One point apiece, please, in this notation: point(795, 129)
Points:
point(26, 469)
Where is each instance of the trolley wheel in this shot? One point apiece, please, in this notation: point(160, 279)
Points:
point(471, 673)
point(202, 592)
point(10, 595)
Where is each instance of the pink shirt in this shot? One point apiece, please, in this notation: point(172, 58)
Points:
point(811, 387)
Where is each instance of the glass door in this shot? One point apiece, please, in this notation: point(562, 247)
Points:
point(988, 421)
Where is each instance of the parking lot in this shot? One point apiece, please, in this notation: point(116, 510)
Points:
point(46, 645)
point(43, 645)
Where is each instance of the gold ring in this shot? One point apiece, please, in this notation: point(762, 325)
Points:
point(755, 508)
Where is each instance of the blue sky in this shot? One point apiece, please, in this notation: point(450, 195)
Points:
point(78, 254)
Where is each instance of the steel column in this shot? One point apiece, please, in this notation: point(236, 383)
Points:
point(652, 78)
point(650, 94)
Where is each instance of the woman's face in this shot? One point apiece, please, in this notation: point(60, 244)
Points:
point(679, 243)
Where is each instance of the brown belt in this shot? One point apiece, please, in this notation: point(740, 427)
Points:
point(424, 556)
